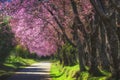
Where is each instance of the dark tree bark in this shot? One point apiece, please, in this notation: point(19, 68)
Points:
point(79, 27)
point(81, 54)
point(118, 32)
point(114, 46)
point(103, 53)
point(107, 15)
point(94, 59)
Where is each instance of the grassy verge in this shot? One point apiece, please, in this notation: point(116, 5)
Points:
point(12, 64)
point(58, 72)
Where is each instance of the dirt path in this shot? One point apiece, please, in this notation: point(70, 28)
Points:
point(37, 71)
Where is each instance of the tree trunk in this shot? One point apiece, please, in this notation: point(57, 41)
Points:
point(81, 54)
point(114, 46)
point(94, 64)
point(103, 53)
point(118, 32)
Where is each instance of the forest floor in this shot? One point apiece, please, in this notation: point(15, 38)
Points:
point(37, 71)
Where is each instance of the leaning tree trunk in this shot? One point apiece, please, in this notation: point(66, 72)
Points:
point(80, 55)
point(114, 46)
point(104, 9)
point(103, 52)
point(80, 32)
point(94, 64)
point(79, 47)
point(118, 32)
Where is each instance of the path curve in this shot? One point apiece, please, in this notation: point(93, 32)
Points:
point(37, 71)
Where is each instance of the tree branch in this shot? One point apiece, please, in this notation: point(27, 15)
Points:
point(99, 9)
point(60, 26)
point(115, 5)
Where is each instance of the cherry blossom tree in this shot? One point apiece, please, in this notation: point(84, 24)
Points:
point(43, 26)
point(29, 27)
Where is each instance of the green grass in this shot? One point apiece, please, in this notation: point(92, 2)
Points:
point(17, 62)
point(12, 64)
point(63, 73)
point(58, 72)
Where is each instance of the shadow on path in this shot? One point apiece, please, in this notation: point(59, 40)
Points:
point(38, 71)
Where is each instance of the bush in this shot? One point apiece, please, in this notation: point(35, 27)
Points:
point(6, 40)
point(68, 55)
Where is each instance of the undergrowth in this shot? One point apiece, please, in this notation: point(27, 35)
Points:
point(12, 64)
point(59, 72)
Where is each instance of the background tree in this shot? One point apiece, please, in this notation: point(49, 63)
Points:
point(6, 39)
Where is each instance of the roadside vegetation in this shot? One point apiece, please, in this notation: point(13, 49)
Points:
point(60, 72)
point(66, 67)
point(15, 61)
point(12, 64)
